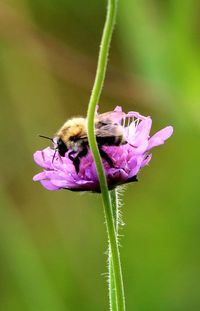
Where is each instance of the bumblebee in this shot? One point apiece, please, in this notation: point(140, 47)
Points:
point(72, 137)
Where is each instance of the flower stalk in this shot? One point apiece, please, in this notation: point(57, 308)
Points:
point(111, 280)
point(95, 95)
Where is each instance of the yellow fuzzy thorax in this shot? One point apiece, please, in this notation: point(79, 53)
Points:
point(75, 127)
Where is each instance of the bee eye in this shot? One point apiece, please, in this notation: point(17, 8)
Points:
point(59, 142)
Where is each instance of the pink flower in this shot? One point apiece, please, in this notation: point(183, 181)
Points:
point(128, 158)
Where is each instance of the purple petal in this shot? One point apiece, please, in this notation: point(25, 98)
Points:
point(142, 147)
point(130, 133)
point(116, 176)
point(136, 165)
point(39, 176)
point(118, 109)
point(48, 185)
point(147, 160)
point(61, 183)
point(96, 110)
point(44, 158)
point(160, 137)
point(134, 114)
point(132, 163)
point(134, 171)
point(142, 131)
point(85, 182)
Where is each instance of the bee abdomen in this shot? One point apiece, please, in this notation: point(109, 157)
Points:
point(110, 140)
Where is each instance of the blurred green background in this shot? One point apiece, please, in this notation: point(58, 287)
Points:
point(53, 244)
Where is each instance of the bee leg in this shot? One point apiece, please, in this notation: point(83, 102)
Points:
point(106, 157)
point(76, 160)
point(70, 155)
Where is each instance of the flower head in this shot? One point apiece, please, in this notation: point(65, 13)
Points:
point(127, 158)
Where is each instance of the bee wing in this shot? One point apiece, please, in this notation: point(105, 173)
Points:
point(82, 137)
point(111, 116)
point(107, 130)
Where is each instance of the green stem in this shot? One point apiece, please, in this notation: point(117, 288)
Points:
point(95, 95)
point(115, 207)
point(112, 286)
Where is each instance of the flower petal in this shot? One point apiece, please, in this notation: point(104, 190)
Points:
point(44, 157)
point(142, 131)
point(48, 185)
point(118, 174)
point(118, 109)
point(160, 137)
point(142, 147)
point(136, 165)
point(61, 183)
point(146, 160)
point(39, 176)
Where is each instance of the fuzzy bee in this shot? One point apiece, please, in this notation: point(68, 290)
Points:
point(72, 137)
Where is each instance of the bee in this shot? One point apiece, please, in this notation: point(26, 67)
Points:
point(72, 137)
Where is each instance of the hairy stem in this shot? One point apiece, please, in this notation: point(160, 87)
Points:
point(111, 280)
point(95, 95)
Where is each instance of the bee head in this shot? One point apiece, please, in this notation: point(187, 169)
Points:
point(61, 147)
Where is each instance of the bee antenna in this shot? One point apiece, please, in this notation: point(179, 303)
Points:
point(54, 155)
point(46, 137)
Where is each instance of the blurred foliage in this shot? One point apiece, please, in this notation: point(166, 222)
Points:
point(52, 244)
